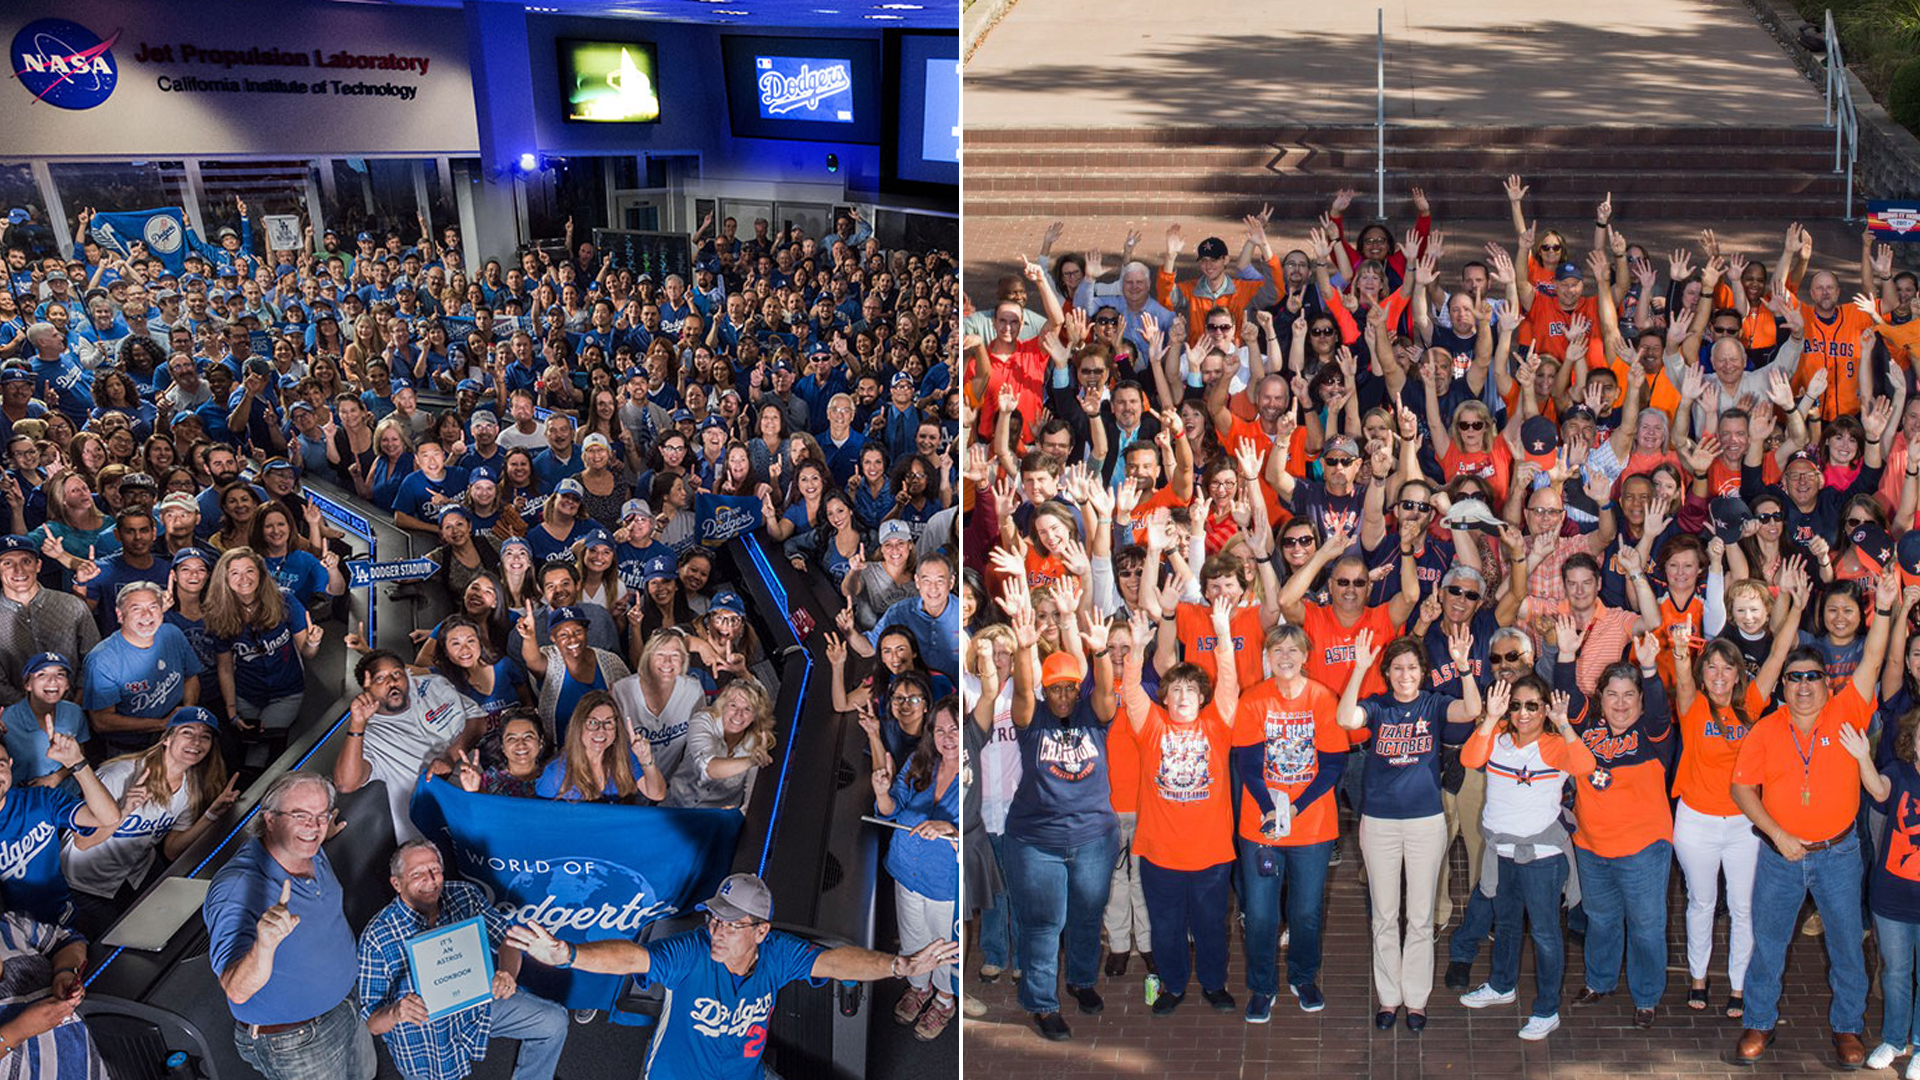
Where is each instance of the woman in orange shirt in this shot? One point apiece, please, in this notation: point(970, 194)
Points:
point(1717, 705)
point(1183, 838)
point(1473, 446)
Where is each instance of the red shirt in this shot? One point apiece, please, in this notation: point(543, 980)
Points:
point(1185, 822)
point(1330, 663)
point(1027, 370)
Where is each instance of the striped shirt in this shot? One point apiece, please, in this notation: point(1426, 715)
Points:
point(443, 1049)
point(26, 977)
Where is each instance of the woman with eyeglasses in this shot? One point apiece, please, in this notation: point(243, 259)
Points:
point(1402, 822)
point(1545, 250)
point(597, 763)
point(923, 796)
point(1529, 751)
point(1717, 703)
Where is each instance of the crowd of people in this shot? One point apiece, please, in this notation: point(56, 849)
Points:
point(553, 422)
point(1599, 561)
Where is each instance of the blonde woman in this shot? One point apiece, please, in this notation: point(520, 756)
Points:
point(171, 792)
point(658, 700)
point(367, 345)
point(728, 743)
point(76, 531)
point(598, 758)
point(260, 635)
point(392, 463)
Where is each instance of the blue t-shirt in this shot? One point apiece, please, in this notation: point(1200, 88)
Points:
point(928, 867)
point(714, 1024)
point(508, 676)
point(299, 573)
point(266, 664)
point(633, 561)
point(417, 489)
point(195, 631)
point(315, 967)
point(30, 877)
point(1064, 799)
point(27, 744)
point(104, 590)
point(551, 470)
point(149, 683)
point(571, 691)
point(545, 547)
point(551, 777)
point(1402, 778)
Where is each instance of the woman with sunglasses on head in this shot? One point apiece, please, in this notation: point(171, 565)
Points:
point(1403, 824)
point(1529, 751)
point(1717, 703)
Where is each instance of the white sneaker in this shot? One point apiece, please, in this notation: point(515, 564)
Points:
point(1539, 1027)
point(1486, 996)
point(1882, 1056)
point(1913, 1068)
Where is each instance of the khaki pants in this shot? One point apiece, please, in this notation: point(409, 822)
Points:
point(1125, 918)
point(1463, 820)
point(1395, 849)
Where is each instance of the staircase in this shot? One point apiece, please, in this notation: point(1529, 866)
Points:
point(1704, 174)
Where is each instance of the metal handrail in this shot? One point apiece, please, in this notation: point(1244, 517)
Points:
point(1841, 115)
point(1380, 111)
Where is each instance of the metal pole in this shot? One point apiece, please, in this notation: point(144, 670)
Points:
point(1380, 111)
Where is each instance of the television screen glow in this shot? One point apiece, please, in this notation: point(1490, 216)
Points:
point(940, 137)
point(609, 82)
point(804, 88)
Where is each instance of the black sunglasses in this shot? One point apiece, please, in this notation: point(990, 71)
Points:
point(1513, 657)
point(1455, 590)
point(1106, 320)
point(1297, 541)
point(1349, 583)
point(1414, 506)
point(1321, 331)
point(1769, 517)
point(1804, 676)
point(1338, 462)
point(1529, 706)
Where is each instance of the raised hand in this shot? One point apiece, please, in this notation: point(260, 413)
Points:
point(1499, 696)
point(277, 921)
point(1515, 189)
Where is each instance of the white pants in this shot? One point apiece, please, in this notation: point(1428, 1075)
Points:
point(1397, 849)
point(1126, 915)
point(923, 921)
point(1707, 845)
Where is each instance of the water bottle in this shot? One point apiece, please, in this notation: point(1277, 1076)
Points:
point(1153, 989)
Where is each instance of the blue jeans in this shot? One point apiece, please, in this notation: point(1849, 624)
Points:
point(999, 922)
point(1530, 891)
point(1832, 876)
point(1463, 945)
point(1303, 874)
point(541, 1027)
point(335, 1046)
point(1056, 889)
point(1899, 942)
point(1183, 902)
point(1626, 902)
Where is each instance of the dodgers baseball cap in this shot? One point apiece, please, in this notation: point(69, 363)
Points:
point(728, 600)
point(635, 508)
point(565, 615)
point(661, 568)
point(741, 896)
point(595, 439)
point(45, 660)
point(569, 486)
point(895, 530)
point(482, 416)
point(598, 538)
point(482, 474)
point(451, 509)
point(205, 555)
point(193, 714)
point(16, 542)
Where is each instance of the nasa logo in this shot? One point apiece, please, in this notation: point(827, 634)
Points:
point(65, 64)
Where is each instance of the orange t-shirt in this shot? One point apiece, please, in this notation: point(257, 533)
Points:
point(1185, 820)
point(1708, 750)
point(1123, 763)
point(1294, 730)
point(1622, 808)
point(1724, 479)
point(1330, 663)
point(1495, 466)
point(1665, 396)
point(1133, 530)
point(1672, 615)
point(1834, 346)
point(1027, 370)
point(1808, 781)
point(1757, 329)
point(1549, 321)
point(1194, 623)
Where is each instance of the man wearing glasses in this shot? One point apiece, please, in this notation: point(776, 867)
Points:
point(280, 945)
point(1799, 782)
point(721, 980)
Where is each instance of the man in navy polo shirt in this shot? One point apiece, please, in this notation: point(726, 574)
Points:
point(721, 980)
point(486, 450)
point(279, 942)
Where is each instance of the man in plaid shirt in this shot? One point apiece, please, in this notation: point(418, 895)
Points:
point(445, 1049)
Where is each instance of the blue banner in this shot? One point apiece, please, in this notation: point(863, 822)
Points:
point(720, 518)
point(163, 231)
point(364, 572)
point(1894, 219)
point(585, 871)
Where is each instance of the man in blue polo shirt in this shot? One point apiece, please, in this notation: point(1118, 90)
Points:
point(721, 980)
point(931, 616)
point(278, 939)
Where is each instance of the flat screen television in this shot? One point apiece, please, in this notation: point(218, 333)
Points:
point(810, 89)
point(924, 147)
point(609, 82)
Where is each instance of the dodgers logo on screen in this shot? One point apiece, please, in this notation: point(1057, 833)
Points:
point(782, 89)
point(65, 64)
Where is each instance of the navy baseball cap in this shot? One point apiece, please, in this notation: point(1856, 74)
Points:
point(203, 554)
point(683, 416)
point(451, 509)
point(482, 472)
point(471, 386)
point(15, 374)
point(728, 600)
point(1566, 270)
point(193, 714)
point(11, 544)
point(565, 615)
point(599, 538)
point(365, 236)
point(1212, 248)
point(42, 661)
point(399, 382)
point(660, 568)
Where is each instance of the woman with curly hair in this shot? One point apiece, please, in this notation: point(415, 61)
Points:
point(260, 636)
point(728, 743)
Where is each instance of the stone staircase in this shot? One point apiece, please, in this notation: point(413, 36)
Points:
point(1722, 174)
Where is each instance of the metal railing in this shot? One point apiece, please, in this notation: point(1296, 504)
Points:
point(1380, 110)
point(1842, 117)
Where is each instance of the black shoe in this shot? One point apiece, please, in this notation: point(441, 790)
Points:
point(1052, 1027)
point(1117, 965)
point(1416, 1021)
point(1220, 999)
point(1166, 1003)
point(1459, 975)
point(1089, 999)
point(1384, 1019)
point(989, 977)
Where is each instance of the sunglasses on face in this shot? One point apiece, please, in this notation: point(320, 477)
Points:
point(1529, 706)
point(1550, 247)
point(1107, 320)
point(1455, 590)
point(1414, 506)
point(1770, 517)
point(1804, 676)
point(1726, 329)
point(1514, 657)
point(1297, 542)
point(1217, 328)
point(1338, 463)
point(1854, 523)
point(1321, 331)
point(1473, 425)
point(1348, 583)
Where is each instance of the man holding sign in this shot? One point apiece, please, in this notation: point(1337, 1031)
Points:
point(429, 1035)
point(721, 980)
